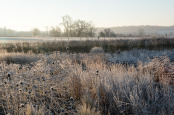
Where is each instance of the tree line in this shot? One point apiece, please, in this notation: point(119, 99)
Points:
point(73, 28)
point(77, 28)
point(67, 28)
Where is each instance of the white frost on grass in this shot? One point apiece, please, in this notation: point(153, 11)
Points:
point(135, 55)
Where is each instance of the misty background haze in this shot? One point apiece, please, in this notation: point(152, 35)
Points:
point(20, 18)
point(120, 31)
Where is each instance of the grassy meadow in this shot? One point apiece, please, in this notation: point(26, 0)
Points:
point(92, 77)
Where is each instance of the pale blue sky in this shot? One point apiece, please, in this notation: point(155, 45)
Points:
point(26, 14)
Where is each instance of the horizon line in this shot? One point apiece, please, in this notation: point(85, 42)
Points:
point(8, 28)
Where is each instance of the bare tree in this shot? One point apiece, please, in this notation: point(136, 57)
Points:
point(67, 23)
point(141, 33)
point(35, 32)
point(91, 29)
point(107, 33)
point(102, 34)
point(55, 32)
point(80, 27)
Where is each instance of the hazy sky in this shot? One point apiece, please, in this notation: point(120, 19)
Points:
point(26, 14)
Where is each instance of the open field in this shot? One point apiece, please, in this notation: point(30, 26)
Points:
point(115, 77)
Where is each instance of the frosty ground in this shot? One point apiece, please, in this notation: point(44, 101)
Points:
point(136, 81)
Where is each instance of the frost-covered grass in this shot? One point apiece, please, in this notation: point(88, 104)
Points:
point(143, 55)
point(18, 58)
point(84, 83)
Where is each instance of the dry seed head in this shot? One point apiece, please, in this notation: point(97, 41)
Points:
point(34, 87)
point(8, 75)
point(22, 105)
point(21, 83)
point(43, 79)
point(71, 98)
point(38, 79)
point(34, 105)
point(29, 91)
point(5, 82)
point(63, 110)
point(52, 88)
point(20, 67)
point(97, 72)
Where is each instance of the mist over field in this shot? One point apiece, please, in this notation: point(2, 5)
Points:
point(134, 30)
point(147, 28)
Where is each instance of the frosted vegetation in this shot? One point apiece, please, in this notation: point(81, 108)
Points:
point(135, 55)
point(60, 83)
point(138, 81)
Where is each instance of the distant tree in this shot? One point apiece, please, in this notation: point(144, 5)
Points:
point(80, 27)
point(77, 28)
point(35, 32)
point(102, 34)
point(5, 31)
point(141, 33)
point(9, 32)
point(170, 34)
point(130, 35)
point(84, 29)
point(67, 24)
point(55, 32)
point(107, 33)
point(112, 34)
point(91, 30)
